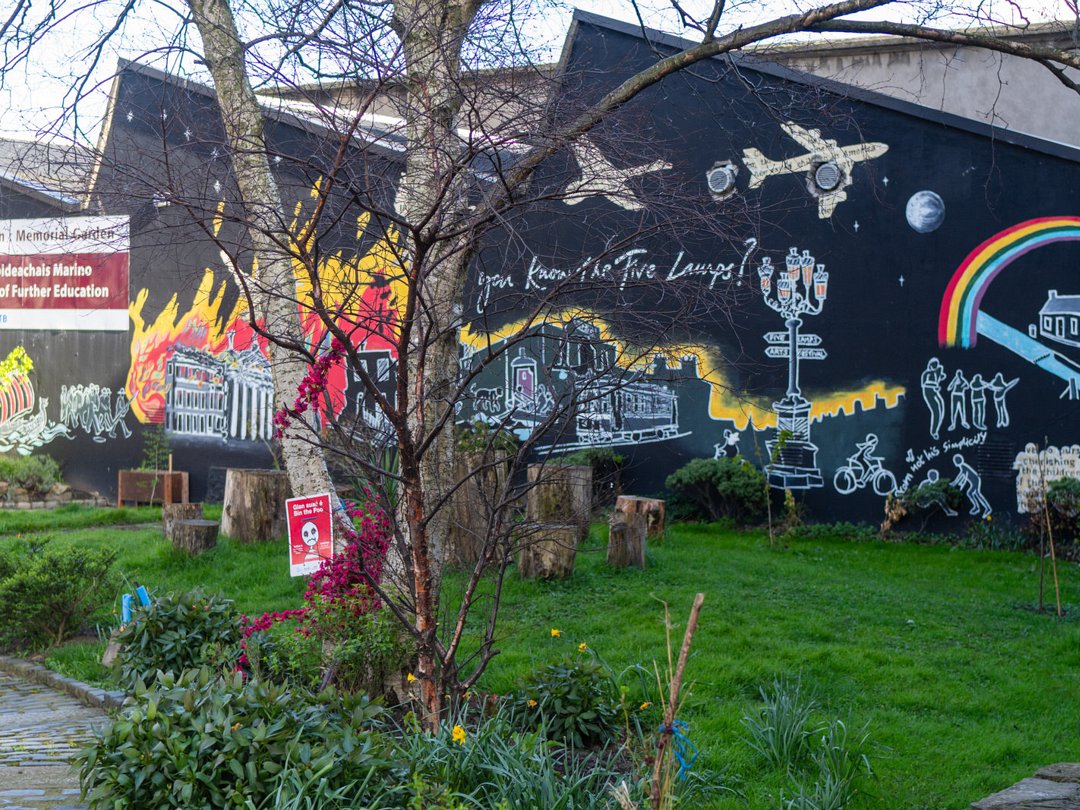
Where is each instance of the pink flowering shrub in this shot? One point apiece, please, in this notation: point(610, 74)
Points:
point(341, 591)
point(312, 387)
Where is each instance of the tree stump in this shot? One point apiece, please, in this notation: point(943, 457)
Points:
point(626, 539)
point(548, 553)
point(560, 495)
point(254, 508)
point(652, 508)
point(194, 536)
point(172, 512)
point(483, 484)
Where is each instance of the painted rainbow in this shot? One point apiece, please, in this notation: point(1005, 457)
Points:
point(960, 306)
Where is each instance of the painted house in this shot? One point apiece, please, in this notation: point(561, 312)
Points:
point(1059, 319)
point(835, 283)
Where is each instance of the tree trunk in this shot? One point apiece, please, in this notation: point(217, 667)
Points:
point(172, 512)
point(274, 291)
point(483, 486)
point(653, 508)
point(254, 508)
point(626, 539)
point(194, 536)
point(549, 552)
point(560, 494)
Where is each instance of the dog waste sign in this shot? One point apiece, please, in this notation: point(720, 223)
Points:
point(311, 533)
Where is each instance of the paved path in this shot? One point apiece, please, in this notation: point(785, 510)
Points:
point(40, 730)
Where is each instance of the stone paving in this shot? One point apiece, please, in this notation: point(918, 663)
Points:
point(40, 730)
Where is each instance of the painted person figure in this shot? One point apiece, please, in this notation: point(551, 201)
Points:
point(969, 483)
point(939, 499)
point(978, 401)
point(931, 380)
point(729, 447)
point(1000, 388)
point(958, 390)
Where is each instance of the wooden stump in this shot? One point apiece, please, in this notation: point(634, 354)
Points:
point(626, 539)
point(254, 507)
point(483, 485)
point(194, 536)
point(548, 553)
point(652, 508)
point(560, 495)
point(172, 512)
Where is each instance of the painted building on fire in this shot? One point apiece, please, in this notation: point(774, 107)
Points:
point(741, 253)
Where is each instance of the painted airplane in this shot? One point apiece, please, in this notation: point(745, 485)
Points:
point(828, 187)
point(601, 179)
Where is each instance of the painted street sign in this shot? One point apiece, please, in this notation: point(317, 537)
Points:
point(311, 532)
point(782, 338)
point(804, 353)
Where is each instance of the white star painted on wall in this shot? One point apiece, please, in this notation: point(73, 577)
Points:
point(885, 181)
point(214, 153)
point(217, 186)
point(187, 133)
point(901, 281)
point(856, 226)
point(277, 158)
point(164, 115)
point(130, 115)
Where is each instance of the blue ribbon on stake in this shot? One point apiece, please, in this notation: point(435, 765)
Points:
point(685, 751)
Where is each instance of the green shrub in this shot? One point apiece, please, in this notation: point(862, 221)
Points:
point(200, 740)
point(1063, 500)
point(575, 701)
point(711, 489)
point(283, 654)
point(177, 632)
point(35, 474)
point(47, 594)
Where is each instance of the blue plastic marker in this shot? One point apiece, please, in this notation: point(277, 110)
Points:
point(144, 597)
point(125, 608)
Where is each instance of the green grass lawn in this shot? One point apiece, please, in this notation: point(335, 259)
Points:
point(965, 688)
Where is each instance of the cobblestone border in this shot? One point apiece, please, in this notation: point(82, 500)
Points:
point(88, 695)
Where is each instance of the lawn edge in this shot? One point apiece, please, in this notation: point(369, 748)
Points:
point(88, 695)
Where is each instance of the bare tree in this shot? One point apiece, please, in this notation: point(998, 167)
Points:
point(425, 54)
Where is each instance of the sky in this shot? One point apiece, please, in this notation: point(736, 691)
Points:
point(32, 95)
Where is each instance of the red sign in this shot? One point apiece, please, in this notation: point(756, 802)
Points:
point(64, 273)
point(311, 533)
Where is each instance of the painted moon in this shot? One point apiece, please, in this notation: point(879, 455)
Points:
point(925, 211)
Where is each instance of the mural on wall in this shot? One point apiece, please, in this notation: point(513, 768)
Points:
point(205, 373)
point(827, 165)
point(864, 469)
point(961, 319)
point(1036, 468)
point(23, 428)
point(969, 483)
point(599, 178)
point(800, 290)
point(94, 410)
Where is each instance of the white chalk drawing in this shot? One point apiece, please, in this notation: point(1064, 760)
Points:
point(931, 381)
point(800, 290)
point(864, 469)
point(828, 165)
point(967, 398)
point(1037, 467)
point(564, 380)
point(970, 485)
point(729, 447)
point(1059, 319)
point(920, 459)
point(93, 409)
point(925, 500)
point(958, 396)
point(22, 429)
point(228, 395)
point(599, 178)
point(380, 366)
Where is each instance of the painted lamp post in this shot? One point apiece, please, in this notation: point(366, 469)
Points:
point(800, 289)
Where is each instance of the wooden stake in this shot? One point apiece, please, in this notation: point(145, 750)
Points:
point(667, 731)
